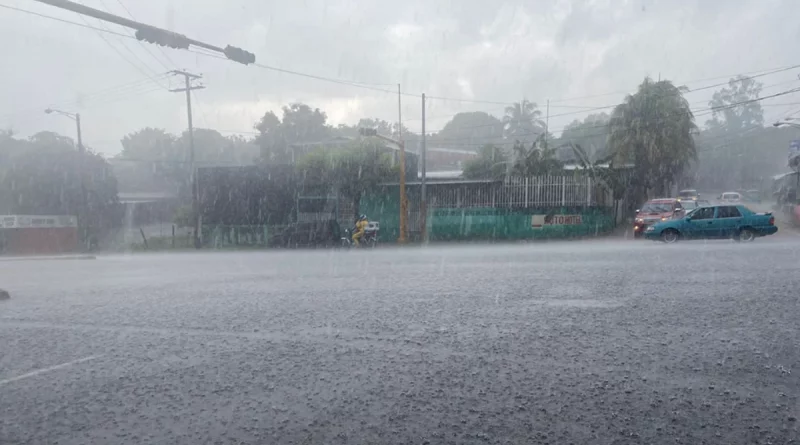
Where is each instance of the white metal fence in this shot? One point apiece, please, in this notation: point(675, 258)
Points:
point(538, 191)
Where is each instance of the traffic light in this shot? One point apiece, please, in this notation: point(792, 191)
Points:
point(163, 38)
point(239, 55)
point(367, 131)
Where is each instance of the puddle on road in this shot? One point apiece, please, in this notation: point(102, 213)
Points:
point(583, 303)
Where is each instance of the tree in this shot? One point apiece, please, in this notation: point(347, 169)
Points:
point(385, 128)
point(653, 129)
point(467, 128)
point(491, 163)
point(44, 178)
point(591, 134)
point(535, 159)
point(729, 111)
point(352, 171)
point(522, 121)
point(736, 151)
point(300, 123)
point(154, 160)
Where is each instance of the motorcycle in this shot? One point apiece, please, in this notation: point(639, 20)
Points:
point(368, 240)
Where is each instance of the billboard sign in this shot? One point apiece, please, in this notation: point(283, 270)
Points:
point(539, 221)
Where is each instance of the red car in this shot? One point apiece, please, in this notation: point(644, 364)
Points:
point(653, 211)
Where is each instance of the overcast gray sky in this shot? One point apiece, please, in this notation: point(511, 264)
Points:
point(499, 51)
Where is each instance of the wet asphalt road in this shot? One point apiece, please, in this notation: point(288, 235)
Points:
point(584, 342)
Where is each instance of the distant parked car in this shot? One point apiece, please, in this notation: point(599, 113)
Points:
point(688, 206)
point(730, 198)
point(752, 196)
point(654, 211)
point(688, 195)
point(723, 221)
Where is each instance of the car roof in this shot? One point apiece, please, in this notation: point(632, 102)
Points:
point(688, 190)
point(662, 200)
point(731, 193)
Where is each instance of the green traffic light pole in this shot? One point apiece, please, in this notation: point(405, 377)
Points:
point(401, 239)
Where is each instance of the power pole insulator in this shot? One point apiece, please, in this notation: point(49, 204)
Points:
point(239, 55)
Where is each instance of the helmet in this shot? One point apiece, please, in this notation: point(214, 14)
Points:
point(362, 217)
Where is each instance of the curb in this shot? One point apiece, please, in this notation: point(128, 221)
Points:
point(44, 258)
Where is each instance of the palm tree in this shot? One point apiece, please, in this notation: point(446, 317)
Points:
point(535, 159)
point(653, 129)
point(522, 121)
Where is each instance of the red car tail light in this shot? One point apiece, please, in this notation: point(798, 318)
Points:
point(772, 220)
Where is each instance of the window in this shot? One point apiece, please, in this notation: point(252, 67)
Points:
point(655, 207)
point(703, 213)
point(728, 212)
point(689, 205)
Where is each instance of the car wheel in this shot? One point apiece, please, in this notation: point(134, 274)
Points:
point(670, 236)
point(747, 235)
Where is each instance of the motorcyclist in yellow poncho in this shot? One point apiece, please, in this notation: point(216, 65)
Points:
point(361, 227)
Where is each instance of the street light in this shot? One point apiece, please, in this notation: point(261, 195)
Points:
point(81, 170)
point(74, 116)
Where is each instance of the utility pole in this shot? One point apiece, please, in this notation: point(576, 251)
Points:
point(423, 204)
point(547, 124)
point(403, 199)
point(399, 114)
point(188, 77)
point(82, 173)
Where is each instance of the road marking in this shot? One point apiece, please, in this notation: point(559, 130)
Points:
point(52, 368)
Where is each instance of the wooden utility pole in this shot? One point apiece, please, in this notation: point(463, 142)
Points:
point(423, 202)
point(188, 78)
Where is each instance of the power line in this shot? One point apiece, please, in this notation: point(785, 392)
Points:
point(163, 53)
point(613, 106)
point(88, 96)
point(369, 87)
point(747, 74)
point(66, 21)
point(703, 112)
point(121, 55)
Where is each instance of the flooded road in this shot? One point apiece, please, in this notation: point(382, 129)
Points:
point(581, 342)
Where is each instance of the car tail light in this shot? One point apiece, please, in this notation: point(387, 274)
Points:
point(772, 220)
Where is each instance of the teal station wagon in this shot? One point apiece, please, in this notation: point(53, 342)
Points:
point(724, 221)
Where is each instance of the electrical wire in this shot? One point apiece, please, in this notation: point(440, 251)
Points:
point(373, 88)
point(135, 66)
point(163, 53)
point(705, 112)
